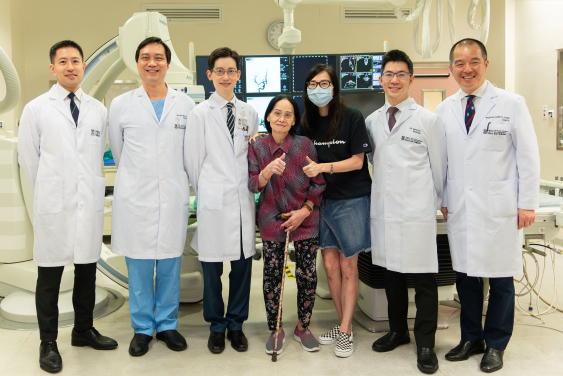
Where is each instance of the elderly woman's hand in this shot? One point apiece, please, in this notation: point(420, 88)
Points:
point(312, 169)
point(296, 217)
point(277, 166)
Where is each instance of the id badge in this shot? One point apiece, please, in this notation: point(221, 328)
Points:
point(242, 123)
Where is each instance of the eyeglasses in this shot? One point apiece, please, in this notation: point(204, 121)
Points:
point(221, 72)
point(313, 84)
point(402, 75)
point(278, 114)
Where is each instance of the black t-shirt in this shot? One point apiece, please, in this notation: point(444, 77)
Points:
point(352, 139)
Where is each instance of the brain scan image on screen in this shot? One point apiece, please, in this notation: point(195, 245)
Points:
point(260, 104)
point(364, 80)
point(263, 75)
point(348, 81)
point(376, 76)
point(364, 63)
point(347, 64)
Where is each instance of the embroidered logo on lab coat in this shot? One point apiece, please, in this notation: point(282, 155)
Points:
point(410, 139)
point(95, 133)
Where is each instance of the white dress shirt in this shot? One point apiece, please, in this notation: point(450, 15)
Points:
point(64, 95)
point(478, 95)
point(223, 105)
point(401, 106)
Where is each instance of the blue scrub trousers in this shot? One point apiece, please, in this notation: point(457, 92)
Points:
point(154, 301)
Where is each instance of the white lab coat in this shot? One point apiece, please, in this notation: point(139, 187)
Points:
point(151, 194)
point(492, 171)
point(409, 171)
point(63, 166)
point(218, 171)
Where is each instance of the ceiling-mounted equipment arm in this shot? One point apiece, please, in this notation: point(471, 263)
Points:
point(13, 87)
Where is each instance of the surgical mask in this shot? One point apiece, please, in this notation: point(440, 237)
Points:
point(320, 96)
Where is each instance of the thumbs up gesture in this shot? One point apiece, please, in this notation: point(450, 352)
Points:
point(312, 169)
point(277, 166)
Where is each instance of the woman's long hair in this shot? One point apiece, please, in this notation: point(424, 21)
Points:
point(336, 109)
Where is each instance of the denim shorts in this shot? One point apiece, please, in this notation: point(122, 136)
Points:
point(345, 225)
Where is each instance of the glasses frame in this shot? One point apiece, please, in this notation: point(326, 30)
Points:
point(396, 74)
point(225, 72)
point(317, 84)
point(272, 114)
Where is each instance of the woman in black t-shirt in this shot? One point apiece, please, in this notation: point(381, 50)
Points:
point(340, 137)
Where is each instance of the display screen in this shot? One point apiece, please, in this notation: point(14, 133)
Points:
point(360, 72)
point(299, 100)
point(201, 76)
point(260, 104)
point(267, 74)
point(302, 64)
point(367, 103)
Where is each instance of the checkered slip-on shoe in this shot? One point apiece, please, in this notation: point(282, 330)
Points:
point(330, 337)
point(344, 346)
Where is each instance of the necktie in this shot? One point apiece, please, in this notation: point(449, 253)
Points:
point(73, 108)
point(392, 120)
point(469, 112)
point(231, 119)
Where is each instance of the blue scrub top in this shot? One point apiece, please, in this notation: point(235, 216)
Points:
point(158, 107)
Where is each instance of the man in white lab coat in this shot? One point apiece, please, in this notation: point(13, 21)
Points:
point(151, 196)
point(492, 192)
point(409, 171)
point(216, 160)
point(62, 139)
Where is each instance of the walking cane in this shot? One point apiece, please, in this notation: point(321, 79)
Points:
point(274, 354)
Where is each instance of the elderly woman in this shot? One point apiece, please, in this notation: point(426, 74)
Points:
point(275, 166)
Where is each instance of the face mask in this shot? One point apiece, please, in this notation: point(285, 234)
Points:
point(320, 96)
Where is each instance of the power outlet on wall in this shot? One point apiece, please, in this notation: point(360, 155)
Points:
point(1, 124)
point(557, 178)
point(544, 112)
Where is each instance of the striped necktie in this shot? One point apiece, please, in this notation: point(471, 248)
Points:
point(73, 108)
point(469, 112)
point(231, 119)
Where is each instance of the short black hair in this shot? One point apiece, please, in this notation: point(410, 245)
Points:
point(151, 40)
point(222, 52)
point(397, 55)
point(296, 112)
point(62, 44)
point(468, 42)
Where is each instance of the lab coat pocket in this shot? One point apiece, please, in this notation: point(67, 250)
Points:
point(179, 130)
point(49, 195)
point(210, 195)
point(127, 185)
point(420, 204)
point(454, 196)
point(184, 187)
point(503, 200)
point(496, 136)
point(93, 133)
point(99, 192)
point(375, 195)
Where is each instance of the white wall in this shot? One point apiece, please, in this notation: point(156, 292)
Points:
point(538, 34)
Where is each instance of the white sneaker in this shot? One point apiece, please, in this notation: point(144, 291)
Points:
point(344, 346)
point(330, 337)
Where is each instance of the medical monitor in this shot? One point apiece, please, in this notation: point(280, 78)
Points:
point(267, 74)
point(201, 75)
point(360, 71)
point(302, 64)
point(260, 104)
point(367, 102)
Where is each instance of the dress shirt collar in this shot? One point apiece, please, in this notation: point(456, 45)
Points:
point(64, 93)
point(222, 102)
point(401, 106)
point(286, 143)
point(478, 93)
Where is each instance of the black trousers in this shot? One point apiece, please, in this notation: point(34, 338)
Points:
point(47, 298)
point(499, 322)
point(426, 300)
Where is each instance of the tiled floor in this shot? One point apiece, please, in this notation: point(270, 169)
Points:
point(532, 350)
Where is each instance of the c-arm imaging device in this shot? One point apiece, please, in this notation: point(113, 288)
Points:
point(18, 272)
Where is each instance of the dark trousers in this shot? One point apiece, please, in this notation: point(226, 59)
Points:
point(47, 298)
point(239, 294)
point(499, 322)
point(426, 300)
